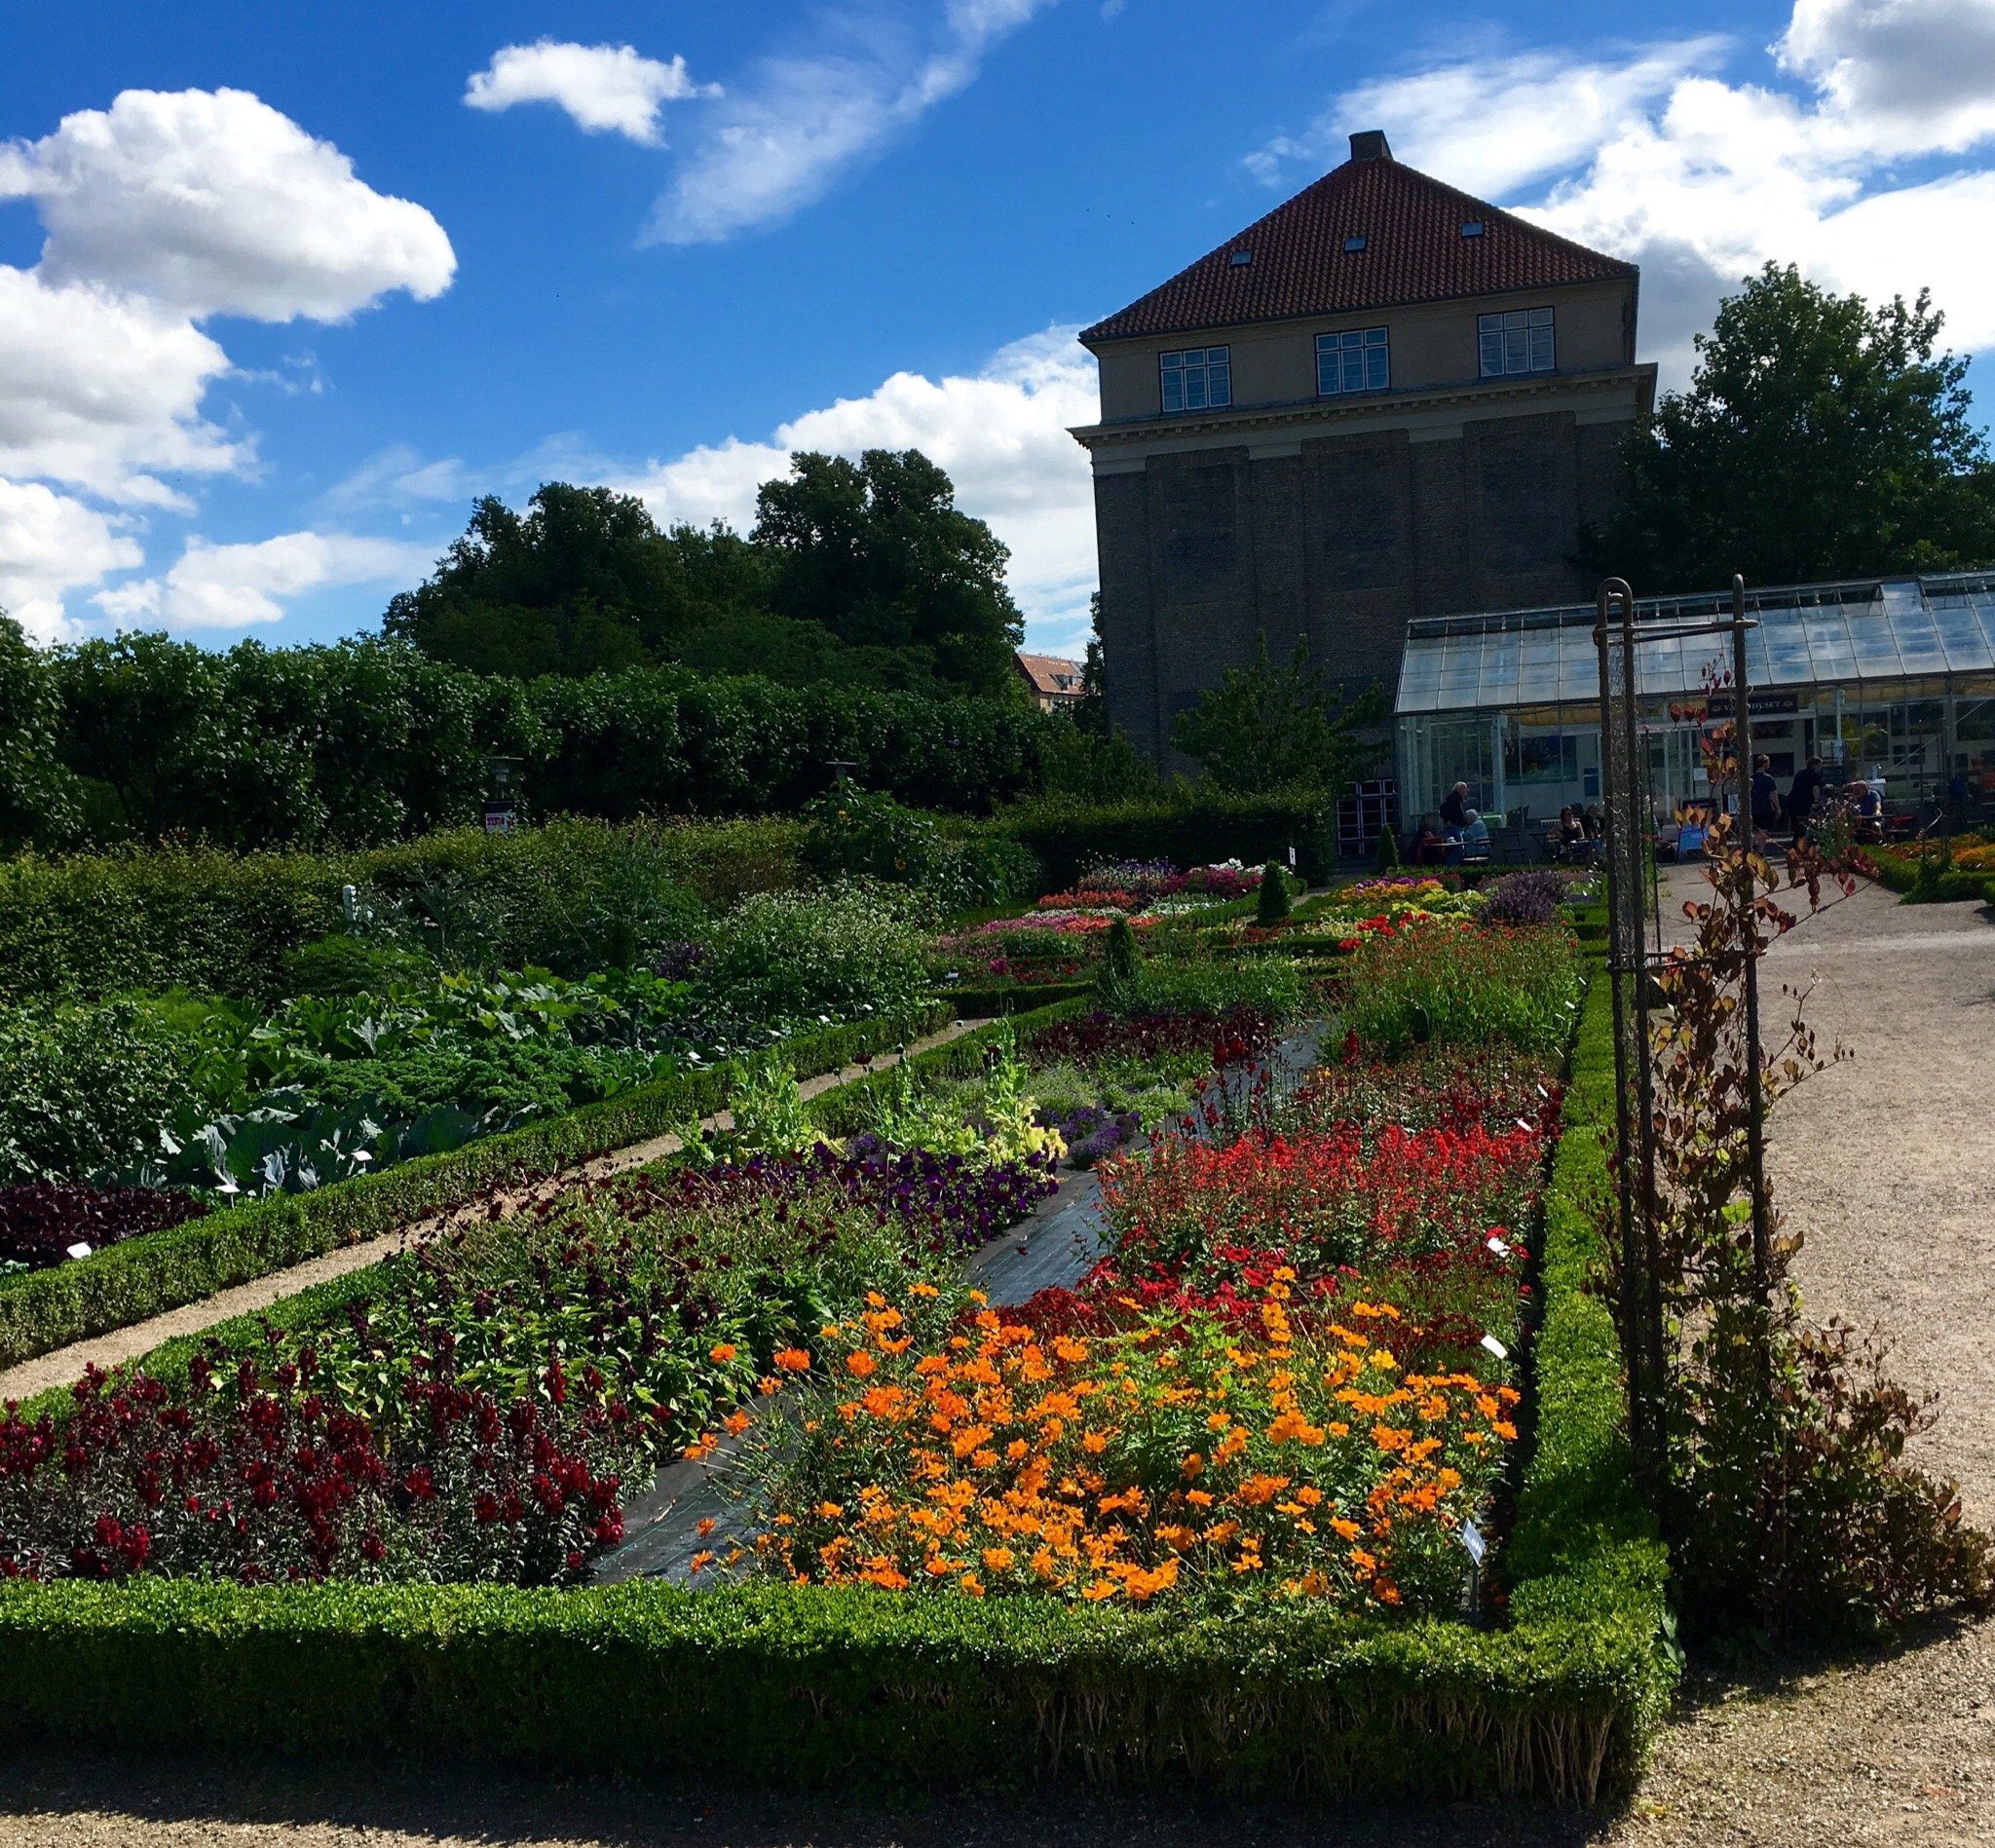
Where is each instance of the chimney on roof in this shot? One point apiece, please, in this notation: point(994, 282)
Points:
point(1370, 144)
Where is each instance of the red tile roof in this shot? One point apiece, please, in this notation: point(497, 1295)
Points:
point(1413, 252)
point(1052, 674)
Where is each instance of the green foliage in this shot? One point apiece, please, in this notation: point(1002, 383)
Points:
point(765, 1110)
point(85, 1088)
point(1389, 860)
point(878, 552)
point(1821, 437)
point(1449, 985)
point(1265, 728)
point(857, 574)
point(1270, 985)
point(45, 1310)
point(40, 801)
point(852, 833)
point(846, 951)
point(1186, 826)
point(1271, 903)
point(342, 965)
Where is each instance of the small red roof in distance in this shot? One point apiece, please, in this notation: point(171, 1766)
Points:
point(1413, 252)
point(1051, 673)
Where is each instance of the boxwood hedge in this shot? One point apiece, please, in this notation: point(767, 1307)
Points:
point(806, 1685)
point(45, 1310)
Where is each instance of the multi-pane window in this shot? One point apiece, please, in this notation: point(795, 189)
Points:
point(1356, 360)
point(1197, 379)
point(1519, 341)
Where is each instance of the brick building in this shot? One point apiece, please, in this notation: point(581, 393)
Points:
point(1384, 401)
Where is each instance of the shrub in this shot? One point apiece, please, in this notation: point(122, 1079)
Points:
point(85, 1088)
point(342, 965)
point(792, 955)
point(1187, 829)
point(1272, 907)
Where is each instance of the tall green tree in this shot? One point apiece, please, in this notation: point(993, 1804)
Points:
point(1821, 437)
point(38, 795)
point(1273, 727)
point(878, 553)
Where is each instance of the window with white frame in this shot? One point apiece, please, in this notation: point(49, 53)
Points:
point(1355, 360)
point(1198, 378)
point(1518, 340)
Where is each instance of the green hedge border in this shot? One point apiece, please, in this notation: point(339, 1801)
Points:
point(40, 1310)
point(1899, 873)
point(806, 1684)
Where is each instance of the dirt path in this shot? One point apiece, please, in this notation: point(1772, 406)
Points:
point(61, 1365)
point(1886, 1163)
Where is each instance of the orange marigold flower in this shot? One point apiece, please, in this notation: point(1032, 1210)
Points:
point(722, 1352)
point(998, 1558)
point(699, 1562)
point(792, 1360)
point(736, 1422)
point(828, 1510)
point(861, 1363)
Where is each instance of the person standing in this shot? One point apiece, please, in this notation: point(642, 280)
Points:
point(1766, 801)
point(1804, 796)
point(1455, 808)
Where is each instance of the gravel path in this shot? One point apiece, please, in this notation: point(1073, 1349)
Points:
point(61, 1365)
point(1886, 1163)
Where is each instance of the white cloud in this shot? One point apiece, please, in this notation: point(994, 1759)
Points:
point(606, 89)
point(1898, 75)
point(1702, 180)
point(212, 201)
point(99, 390)
point(785, 138)
point(1002, 436)
point(1497, 124)
point(235, 586)
point(50, 544)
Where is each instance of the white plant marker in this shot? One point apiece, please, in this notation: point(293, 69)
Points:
point(1496, 1245)
point(81, 1249)
point(1472, 1539)
point(1495, 1347)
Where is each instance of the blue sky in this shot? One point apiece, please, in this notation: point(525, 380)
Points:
point(283, 290)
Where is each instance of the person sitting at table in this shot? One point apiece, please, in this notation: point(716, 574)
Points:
point(1594, 818)
point(1430, 847)
point(1868, 802)
point(1472, 843)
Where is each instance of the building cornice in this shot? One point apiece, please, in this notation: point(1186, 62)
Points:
point(1440, 407)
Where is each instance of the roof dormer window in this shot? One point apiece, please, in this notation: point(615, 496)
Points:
point(1353, 244)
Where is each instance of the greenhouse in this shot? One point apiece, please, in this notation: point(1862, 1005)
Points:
point(1897, 676)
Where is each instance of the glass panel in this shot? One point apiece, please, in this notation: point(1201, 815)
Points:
point(1828, 628)
point(1873, 643)
point(1174, 391)
point(1541, 347)
point(1917, 636)
point(1222, 384)
point(1515, 349)
point(1378, 368)
point(1195, 388)
point(1960, 634)
point(1786, 648)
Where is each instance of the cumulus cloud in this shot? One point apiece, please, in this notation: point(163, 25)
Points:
point(800, 121)
point(605, 89)
point(99, 390)
point(1490, 120)
point(212, 203)
point(51, 543)
point(1001, 436)
point(1702, 180)
point(236, 586)
point(160, 212)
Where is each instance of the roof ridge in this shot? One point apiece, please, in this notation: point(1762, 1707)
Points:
point(1411, 232)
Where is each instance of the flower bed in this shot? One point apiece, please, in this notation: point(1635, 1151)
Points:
point(1320, 1692)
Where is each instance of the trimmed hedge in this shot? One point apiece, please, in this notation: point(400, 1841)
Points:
point(1188, 829)
point(150, 919)
point(1899, 873)
point(45, 1310)
point(806, 1685)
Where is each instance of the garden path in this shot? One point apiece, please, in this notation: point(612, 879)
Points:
point(691, 1508)
point(1886, 1163)
point(62, 1365)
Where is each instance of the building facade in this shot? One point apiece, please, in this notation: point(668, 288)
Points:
point(1057, 683)
point(1382, 402)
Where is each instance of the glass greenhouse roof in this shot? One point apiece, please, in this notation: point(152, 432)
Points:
point(1817, 634)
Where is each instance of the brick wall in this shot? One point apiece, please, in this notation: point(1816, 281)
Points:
point(1345, 542)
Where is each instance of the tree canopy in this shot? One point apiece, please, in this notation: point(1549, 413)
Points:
point(1821, 437)
point(862, 573)
point(1268, 726)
